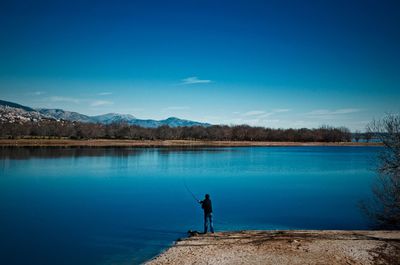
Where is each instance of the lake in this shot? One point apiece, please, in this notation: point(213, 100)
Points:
point(125, 205)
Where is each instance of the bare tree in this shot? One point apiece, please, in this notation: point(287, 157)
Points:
point(79, 130)
point(367, 136)
point(385, 206)
point(357, 136)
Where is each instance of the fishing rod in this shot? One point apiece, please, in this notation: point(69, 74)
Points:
point(191, 193)
point(197, 200)
point(223, 222)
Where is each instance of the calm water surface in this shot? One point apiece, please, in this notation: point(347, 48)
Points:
point(125, 205)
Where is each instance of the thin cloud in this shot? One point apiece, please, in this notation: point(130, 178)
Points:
point(36, 93)
point(263, 114)
point(273, 112)
point(280, 110)
point(90, 102)
point(253, 113)
point(194, 80)
point(326, 112)
point(99, 103)
point(105, 93)
point(65, 99)
point(251, 121)
point(347, 111)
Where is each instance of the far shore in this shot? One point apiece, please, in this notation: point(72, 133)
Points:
point(163, 143)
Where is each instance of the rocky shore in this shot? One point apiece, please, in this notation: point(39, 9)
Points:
point(286, 247)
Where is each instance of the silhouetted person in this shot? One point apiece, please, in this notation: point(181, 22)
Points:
point(207, 207)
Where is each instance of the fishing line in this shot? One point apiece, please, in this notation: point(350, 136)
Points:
point(187, 188)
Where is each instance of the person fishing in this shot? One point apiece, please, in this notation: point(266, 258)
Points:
point(207, 207)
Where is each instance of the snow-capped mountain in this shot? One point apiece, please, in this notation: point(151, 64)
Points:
point(60, 114)
point(13, 112)
point(113, 118)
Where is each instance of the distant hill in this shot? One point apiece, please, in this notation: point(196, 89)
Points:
point(14, 105)
point(12, 112)
point(113, 118)
point(171, 122)
point(60, 114)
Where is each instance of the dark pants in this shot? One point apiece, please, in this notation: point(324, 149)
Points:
point(208, 218)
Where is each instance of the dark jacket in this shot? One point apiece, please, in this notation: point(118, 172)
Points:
point(206, 205)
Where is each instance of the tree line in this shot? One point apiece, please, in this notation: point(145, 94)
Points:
point(79, 130)
point(367, 136)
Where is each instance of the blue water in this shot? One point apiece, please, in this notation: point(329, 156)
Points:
point(125, 205)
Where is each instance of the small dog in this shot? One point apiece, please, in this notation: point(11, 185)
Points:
point(193, 233)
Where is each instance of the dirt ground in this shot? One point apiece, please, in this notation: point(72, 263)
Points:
point(286, 247)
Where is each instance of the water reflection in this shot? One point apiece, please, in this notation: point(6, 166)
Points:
point(61, 152)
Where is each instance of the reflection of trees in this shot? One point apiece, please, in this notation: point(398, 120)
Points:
point(76, 130)
point(59, 152)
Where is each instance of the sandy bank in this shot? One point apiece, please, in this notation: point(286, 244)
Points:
point(286, 247)
point(167, 143)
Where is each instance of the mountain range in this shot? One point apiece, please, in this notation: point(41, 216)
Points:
point(13, 112)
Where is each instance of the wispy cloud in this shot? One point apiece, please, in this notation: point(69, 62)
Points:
point(98, 103)
point(263, 114)
point(280, 110)
point(36, 93)
point(251, 121)
point(105, 93)
point(194, 80)
point(88, 101)
point(253, 113)
point(65, 99)
point(257, 117)
point(273, 112)
point(326, 112)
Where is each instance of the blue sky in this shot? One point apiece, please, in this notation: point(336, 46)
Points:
point(268, 63)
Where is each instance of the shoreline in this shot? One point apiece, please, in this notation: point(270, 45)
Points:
point(335, 247)
point(163, 143)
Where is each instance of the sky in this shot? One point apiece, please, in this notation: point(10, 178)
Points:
point(279, 64)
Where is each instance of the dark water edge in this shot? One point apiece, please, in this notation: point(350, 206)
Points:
point(29, 152)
